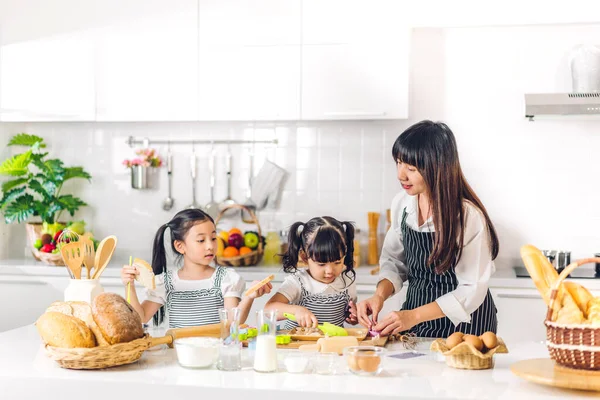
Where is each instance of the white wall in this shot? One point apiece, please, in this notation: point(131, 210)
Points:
point(537, 179)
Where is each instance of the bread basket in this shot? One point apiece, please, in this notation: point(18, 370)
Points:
point(34, 232)
point(248, 259)
point(572, 345)
point(466, 356)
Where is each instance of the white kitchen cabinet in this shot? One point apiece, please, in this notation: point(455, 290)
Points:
point(249, 22)
point(147, 62)
point(249, 83)
point(48, 79)
point(521, 314)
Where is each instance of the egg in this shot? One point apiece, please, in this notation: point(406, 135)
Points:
point(489, 339)
point(454, 339)
point(369, 363)
point(353, 362)
point(474, 340)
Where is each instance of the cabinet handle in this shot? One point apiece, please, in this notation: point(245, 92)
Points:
point(355, 114)
point(519, 296)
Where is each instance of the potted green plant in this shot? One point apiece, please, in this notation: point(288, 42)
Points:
point(35, 190)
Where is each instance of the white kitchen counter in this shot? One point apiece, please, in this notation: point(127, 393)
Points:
point(26, 373)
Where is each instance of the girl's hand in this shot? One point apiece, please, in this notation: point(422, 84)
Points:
point(353, 317)
point(372, 305)
point(396, 321)
point(265, 289)
point(128, 274)
point(305, 318)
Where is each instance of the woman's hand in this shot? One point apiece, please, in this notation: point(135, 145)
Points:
point(305, 318)
point(265, 289)
point(128, 274)
point(370, 306)
point(353, 317)
point(396, 321)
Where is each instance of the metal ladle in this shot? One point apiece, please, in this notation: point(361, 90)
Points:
point(228, 200)
point(193, 171)
point(168, 201)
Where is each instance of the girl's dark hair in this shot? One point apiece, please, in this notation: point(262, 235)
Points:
point(323, 240)
point(431, 148)
point(180, 225)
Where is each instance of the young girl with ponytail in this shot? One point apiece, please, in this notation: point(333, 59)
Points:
point(325, 291)
point(193, 293)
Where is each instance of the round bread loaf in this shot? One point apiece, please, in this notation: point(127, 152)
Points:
point(61, 330)
point(117, 320)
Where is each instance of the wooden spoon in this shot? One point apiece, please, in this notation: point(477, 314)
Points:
point(72, 254)
point(89, 254)
point(106, 248)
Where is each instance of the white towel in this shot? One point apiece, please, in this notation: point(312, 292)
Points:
point(266, 185)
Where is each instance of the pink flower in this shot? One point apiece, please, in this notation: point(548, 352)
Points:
point(148, 158)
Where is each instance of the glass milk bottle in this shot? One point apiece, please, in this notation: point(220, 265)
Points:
point(265, 357)
point(230, 348)
point(83, 290)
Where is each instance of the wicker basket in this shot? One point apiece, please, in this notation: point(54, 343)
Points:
point(572, 346)
point(34, 232)
point(248, 259)
point(466, 356)
point(101, 356)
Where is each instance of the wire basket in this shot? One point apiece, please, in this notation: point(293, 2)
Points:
point(248, 259)
point(572, 345)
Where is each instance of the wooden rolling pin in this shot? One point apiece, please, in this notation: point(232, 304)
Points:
point(213, 330)
point(334, 344)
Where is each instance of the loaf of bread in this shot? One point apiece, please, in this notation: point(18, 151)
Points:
point(117, 320)
point(580, 295)
point(81, 310)
point(61, 330)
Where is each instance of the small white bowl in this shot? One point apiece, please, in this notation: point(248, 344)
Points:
point(197, 352)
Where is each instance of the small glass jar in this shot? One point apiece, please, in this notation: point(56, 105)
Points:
point(83, 290)
point(324, 363)
point(364, 360)
point(297, 363)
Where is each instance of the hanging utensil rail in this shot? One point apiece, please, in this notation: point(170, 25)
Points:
point(146, 142)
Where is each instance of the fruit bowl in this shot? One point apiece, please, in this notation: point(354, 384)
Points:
point(246, 257)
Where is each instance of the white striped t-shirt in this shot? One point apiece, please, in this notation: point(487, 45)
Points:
point(291, 289)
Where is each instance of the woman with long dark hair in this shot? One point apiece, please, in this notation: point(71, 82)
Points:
point(442, 242)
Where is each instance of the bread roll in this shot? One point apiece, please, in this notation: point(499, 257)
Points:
point(570, 312)
point(117, 320)
point(593, 311)
point(60, 330)
point(81, 310)
point(580, 295)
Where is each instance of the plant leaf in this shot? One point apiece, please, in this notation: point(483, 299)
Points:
point(11, 195)
point(6, 186)
point(17, 165)
point(24, 139)
point(52, 169)
point(37, 187)
point(70, 203)
point(46, 210)
point(19, 210)
point(76, 172)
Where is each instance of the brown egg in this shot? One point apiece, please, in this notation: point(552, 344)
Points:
point(369, 363)
point(489, 339)
point(474, 340)
point(353, 362)
point(454, 339)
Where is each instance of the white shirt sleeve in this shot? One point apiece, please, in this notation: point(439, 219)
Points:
point(232, 284)
point(158, 295)
point(392, 264)
point(473, 271)
point(291, 289)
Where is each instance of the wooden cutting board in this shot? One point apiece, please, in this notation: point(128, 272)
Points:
point(545, 372)
point(359, 333)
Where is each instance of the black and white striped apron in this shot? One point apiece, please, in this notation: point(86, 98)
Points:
point(330, 307)
point(425, 286)
point(194, 307)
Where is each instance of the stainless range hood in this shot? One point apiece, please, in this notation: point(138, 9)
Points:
point(542, 104)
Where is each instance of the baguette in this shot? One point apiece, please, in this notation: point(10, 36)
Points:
point(260, 284)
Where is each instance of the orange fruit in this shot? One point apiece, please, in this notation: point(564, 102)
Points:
point(235, 230)
point(231, 251)
point(245, 250)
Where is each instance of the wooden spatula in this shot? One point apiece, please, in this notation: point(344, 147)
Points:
point(72, 254)
point(106, 248)
point(89, 254)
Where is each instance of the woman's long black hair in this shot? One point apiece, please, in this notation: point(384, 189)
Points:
point(323, 240)
point(180, 225)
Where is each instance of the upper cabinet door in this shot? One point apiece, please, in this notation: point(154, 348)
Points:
point(147, 64)
point(249, 22)
point(46, 63)
point(357, 67)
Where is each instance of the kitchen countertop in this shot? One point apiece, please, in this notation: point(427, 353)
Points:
point(26, 373)
point(503, 278)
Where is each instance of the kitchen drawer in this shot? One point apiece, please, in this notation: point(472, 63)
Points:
point(521, 314)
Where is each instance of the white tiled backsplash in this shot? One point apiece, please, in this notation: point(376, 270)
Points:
point(539, 180)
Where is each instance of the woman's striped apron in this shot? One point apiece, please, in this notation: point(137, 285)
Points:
point(330, 308)
point(425, 286)
point(194, 307)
